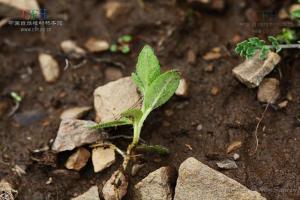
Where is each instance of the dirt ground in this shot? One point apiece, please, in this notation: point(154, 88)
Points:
point(173, 30)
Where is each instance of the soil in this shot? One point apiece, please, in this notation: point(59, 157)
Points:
point(173, 30)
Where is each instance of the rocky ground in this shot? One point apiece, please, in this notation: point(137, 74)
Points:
point(55, 84)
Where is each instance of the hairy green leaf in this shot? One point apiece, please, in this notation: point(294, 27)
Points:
point(121, 122)
point(161, 90)
point(138, 82)
point(133, 114)
point(147, 68)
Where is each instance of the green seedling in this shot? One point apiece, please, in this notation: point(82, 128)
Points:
point(16, 97)
point(155, 87)
point(17, 100)
point(123, 44)
point(251, 46)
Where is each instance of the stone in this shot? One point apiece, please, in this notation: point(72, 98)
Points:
point(198, 180)
point(214, 54)
point(115, 97)
point(183, 89)
point(234, 146)
point(13, 8)
point(268, 91)
point(215, 90)
point(73, 133)
point(236, 156)
point(113, 73)
point(227, 164)
point(91, 194)
point(112, 9)
point(283, 14)
point(75, 113)
point(78, 159)
point(103, 158)
point(71, 48)
point(158, 185)
point(191, 57)
point(252, 71)
point(283, 104)
point(110, 191)
point(96, 45)
point(6, 191)
point(49, 67)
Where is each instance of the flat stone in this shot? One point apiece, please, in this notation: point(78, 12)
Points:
point(183, 89)
point(49, 67)
point(252, 71)
point(73, 133)
point(268, 91)
point(75, 113)
point(158, 185)
point(96, 45)
point(71, 48)
point(227, 164)
point(198, 180)
point(78, 159)
point(91, 194)
point(115, 97)
point(103, 158)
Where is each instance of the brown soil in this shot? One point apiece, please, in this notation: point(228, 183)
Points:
point(226, 117)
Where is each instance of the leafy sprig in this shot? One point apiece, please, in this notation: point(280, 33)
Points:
point(156, 88)
point(252, 46)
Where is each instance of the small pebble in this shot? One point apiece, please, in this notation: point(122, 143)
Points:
point(182, 89)
point(199, 127)
point(236, 156)
point(268, 91)
point(227, 164)
point(49, 67)
point(113, 73)
point(215, 90)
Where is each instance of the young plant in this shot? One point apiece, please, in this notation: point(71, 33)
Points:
point(251, 46)
point(155, 87)
point(123, 44)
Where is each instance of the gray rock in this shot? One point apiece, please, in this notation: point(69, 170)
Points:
point(73, 133)
point(115, 97)
point(268, 91)
point(78, 159)
point(49, 67)
point(156, 186)
point(198, 180)
point(75, 113)
point(252, 71)
point(91, 194)
point(227, 164)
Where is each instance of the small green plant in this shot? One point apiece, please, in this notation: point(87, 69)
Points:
point(248, 48)
point(155, 87)
point(123, 44)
